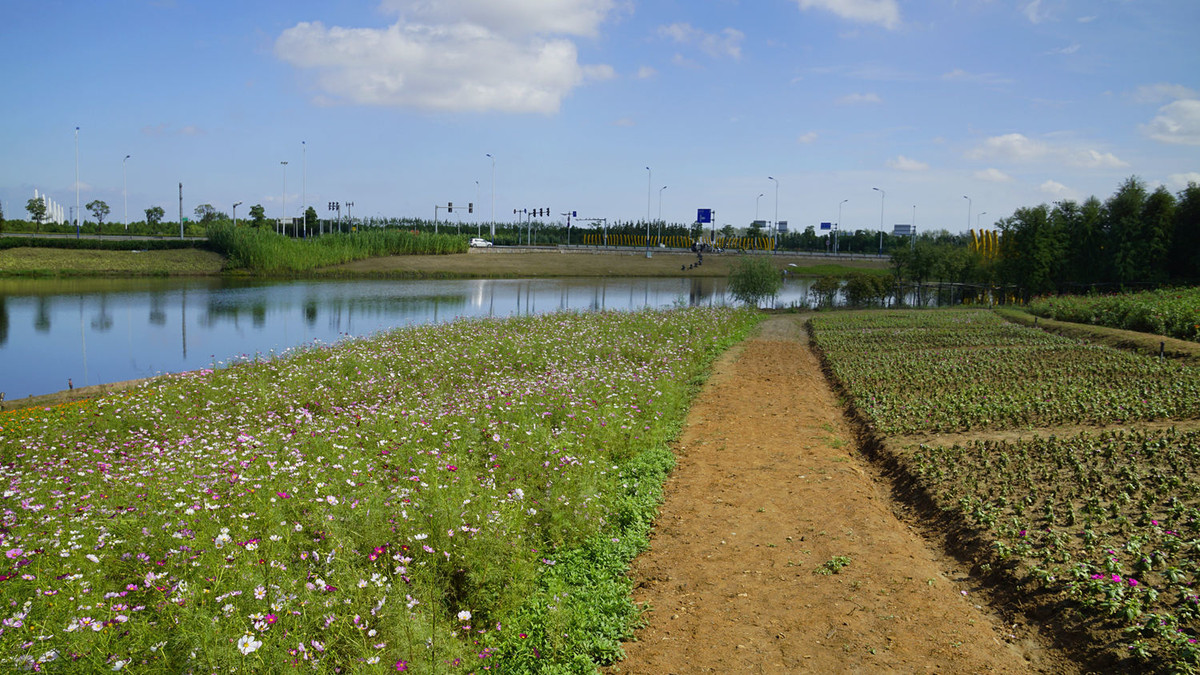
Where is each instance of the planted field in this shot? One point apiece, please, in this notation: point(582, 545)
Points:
point(1107, 521)
point(449, 498)
point(1171, 312)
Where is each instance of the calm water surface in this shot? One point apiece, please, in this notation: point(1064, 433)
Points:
point(94, 331)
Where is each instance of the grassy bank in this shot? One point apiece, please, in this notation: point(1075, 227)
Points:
point(43, 262)
point(438, 499)
point(57, 262)
point(552, 263)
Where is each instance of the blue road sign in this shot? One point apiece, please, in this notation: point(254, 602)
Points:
point(826, 226)
point(703, 215)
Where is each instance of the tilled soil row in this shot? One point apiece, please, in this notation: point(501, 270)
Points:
point(777, 551)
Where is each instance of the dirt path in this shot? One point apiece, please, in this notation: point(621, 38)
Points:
point(768, 491)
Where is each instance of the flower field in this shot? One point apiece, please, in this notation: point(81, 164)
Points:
point(454, 498)
point(1171, 312)
point(1107, 521)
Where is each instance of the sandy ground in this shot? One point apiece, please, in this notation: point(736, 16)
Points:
point(768, 493)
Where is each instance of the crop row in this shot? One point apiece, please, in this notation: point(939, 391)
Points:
point(1172, 312)
point(1109, 520)
point(920, 372)
point(456, 497)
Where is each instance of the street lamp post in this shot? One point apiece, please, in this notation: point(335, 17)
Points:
point(493, 226)
point(775, 225)
point(968, 211)
point(235, 205)
point(760, 196)
point(912, 237)
point(478, 231)
point(304, 185)
point(77, 211)
point(882, 197)
point(660, 223)
point(649, 190)
point(125, 190)
point(839, 226)
point(284, 214)
point(978, 216)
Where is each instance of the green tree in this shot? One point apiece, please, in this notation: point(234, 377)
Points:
point(154, 215)
point(258, 215)
point(753, 279)
point(1031, 250)
point(1183, 261)
point(37, 212)
point(99, 210)
point(206, 214)
point(310, 217)
point(1, 216)
point(1123, 219)
point(755, 229)
point(1153, 249)
point(728, 231)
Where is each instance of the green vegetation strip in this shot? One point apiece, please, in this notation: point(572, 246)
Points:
point(265, 252)
point(446, 498)
point(1173, 312)
point(1107, 522)
point(945, 371)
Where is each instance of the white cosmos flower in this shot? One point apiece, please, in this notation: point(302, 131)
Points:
point(247, 644)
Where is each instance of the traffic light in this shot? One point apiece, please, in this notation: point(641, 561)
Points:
point(450, 207)
point(574, 215)
point(470, 207)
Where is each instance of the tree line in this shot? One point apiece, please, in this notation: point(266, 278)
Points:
point(1135, 237)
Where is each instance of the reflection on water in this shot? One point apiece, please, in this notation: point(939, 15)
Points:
point(100, 330)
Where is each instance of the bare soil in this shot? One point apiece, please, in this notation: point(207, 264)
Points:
point(769, 495)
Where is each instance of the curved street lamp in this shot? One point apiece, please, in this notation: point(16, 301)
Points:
point(493, 225)
point(882, 197)
point(775, 225)
point(649, 189)
point(968, 211)
point(125, 190)
point(660, 191)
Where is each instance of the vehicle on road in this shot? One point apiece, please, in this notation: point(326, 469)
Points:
point(477, 242)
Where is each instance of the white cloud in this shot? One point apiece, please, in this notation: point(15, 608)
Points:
point(192, 130)
point(459, 66)
point(1177, 123)
point(1091, 159)
point(511, 17)
point(1179, 181)
point(960, 75)
point(1162, 91)
point(727, 43)
point(805, 139)
point(1034, 12)
point(1086, 19)
point(1069, 49)
point(886, 13)
point(854, 99)
point(902, 163)
point(625, 122)
point(993, 175)
point(1011, 147)
point(646, 72)
point(1019, 148)
point(1055, 189)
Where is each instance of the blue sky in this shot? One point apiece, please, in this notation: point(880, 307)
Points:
point(398, 102)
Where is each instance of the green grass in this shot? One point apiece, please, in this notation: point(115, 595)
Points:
point(1173, 312)
point(265, 252)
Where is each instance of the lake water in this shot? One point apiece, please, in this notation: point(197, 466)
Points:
point(98, 331)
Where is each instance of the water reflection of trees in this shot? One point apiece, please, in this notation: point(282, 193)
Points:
point(103, 321)
point(3, 320)
point(41, 320)
point(222, 309)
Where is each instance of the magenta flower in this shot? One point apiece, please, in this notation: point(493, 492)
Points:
point(401, 666)
point(14, 552)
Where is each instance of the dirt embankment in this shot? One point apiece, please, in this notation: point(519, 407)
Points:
point(777, 549)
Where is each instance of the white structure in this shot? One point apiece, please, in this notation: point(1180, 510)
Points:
point(54, 210)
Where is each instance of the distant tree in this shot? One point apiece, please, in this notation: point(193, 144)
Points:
point(206, 213)
point(1184, 259)
point(753, 279)
point(728, 231)
point(258, 215)
point(1, 216)
point(154, 215)
point(37, 212)
point(310, 217)
point(1123, 220)
point(1032, 249)
point(99, 210)
point(754, 230)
